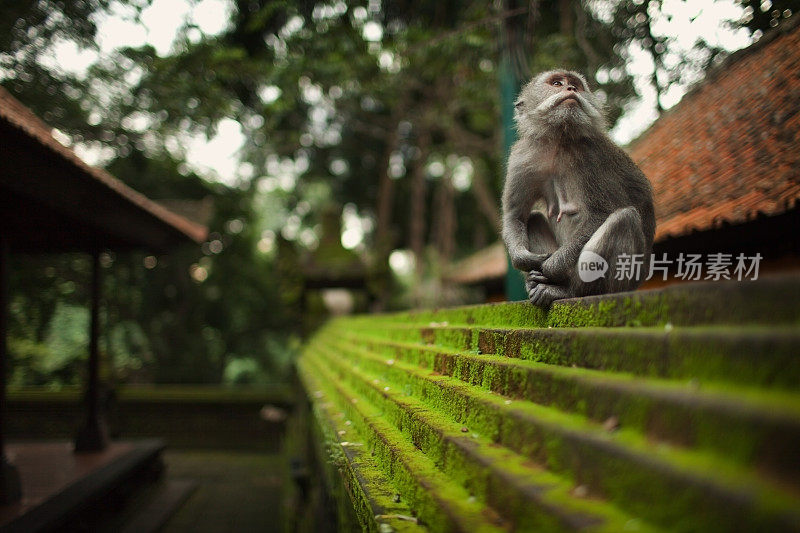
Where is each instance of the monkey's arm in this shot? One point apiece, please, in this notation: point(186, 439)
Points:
point(519, 195)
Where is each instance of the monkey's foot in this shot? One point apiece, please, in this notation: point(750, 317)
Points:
point(544, 294)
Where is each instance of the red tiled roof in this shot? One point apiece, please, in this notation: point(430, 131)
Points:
point(13, 112)
point(730, 150)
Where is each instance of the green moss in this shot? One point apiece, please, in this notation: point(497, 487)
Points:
point(714, 418)
point(748, 356)
point(565, 443)
point(441, 505)
point(704, 400)
point(494, 475)
point(561, 315)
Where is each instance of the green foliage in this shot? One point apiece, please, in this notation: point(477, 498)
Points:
point(57, 360)
point(27, 29)
point(344, 103)
point(29, 362)
point(129, 348)
point(67, 337)
point(243, 372)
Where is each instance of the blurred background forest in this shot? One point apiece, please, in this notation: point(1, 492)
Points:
point(373, 144)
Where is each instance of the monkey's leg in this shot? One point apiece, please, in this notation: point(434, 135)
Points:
point(536, 243)
point(541, 240)
point(620, 234)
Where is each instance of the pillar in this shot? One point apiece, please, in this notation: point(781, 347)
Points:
point(10, 485)
point(94, 434)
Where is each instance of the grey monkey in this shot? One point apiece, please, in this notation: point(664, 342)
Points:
point(569, 190)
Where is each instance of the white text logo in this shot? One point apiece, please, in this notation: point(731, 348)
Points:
point(591, 266)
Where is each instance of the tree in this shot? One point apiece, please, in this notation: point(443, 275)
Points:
point(28, 30)
point(390, 109)
point(760, 16)
point(635, 22)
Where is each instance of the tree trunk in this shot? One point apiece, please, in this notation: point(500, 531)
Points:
point(486, 200)
point(566, 17)
point(416, 223)
point(380, 275)
point(385, 195)
point(444, 232)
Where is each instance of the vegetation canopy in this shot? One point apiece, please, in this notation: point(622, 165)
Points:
point(388, 111)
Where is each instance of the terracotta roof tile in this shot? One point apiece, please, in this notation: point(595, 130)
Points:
point(731, 148)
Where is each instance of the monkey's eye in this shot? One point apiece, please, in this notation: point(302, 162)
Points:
point(556, 83)
point(518, 104)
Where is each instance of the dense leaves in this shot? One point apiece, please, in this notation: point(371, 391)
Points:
point(391, 109)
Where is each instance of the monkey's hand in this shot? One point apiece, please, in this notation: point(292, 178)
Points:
point(534, 277)
point(526, 261)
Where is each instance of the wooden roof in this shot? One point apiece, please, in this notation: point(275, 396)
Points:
point(51, 200)
point(485, 264)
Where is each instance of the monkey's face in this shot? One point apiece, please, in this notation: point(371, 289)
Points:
point(558, 99)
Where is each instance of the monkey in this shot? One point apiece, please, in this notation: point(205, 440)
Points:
point(571, 192)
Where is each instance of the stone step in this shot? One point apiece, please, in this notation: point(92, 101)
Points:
point(747, 355)
point(770, 300)
point(377, 503)
point(746, 425)
point(623, 466)
point(676, 408)
point(518, 494)
point(434, 500)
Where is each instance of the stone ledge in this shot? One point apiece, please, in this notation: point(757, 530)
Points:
point(502, 416)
